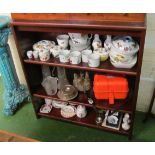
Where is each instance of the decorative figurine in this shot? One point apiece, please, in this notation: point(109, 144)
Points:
point(82, 83)
point(126, 122)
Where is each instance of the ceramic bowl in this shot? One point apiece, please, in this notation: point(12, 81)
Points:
point(43, 45)
point(102, 53)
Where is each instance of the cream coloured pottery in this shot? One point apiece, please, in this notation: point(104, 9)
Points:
point(43, 45)
point(102, 53)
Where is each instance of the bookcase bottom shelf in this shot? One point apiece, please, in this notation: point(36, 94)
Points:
point(88, 121)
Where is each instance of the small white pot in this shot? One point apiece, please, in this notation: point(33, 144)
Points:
point(64, 56)
point(75, 57)
point(94, 60)
point(35, 54)
point(30, 54)
point(85, 54)
point(44, 55)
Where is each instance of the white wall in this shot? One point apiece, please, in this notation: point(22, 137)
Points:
point(147, 81)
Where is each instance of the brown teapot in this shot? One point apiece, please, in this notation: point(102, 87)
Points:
point(81, 82)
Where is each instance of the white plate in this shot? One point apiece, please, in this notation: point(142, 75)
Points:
point(68, 111)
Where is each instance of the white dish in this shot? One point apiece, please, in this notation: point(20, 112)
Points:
point(124, 65)
point(68, 111)
point(58, 104)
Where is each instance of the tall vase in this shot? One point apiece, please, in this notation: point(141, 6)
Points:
point(14, 93)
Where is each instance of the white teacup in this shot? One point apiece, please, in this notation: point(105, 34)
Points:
point(75, 57)
point(85, 54)
point(64, 56)
point(30, 54)
point(63, 40)
point(35, 54)
point(93, 60)
point(44, 55)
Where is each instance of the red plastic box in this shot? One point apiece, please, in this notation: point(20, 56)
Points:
point(110, 87)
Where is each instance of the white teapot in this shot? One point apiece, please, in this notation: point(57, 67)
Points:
point(81, 111)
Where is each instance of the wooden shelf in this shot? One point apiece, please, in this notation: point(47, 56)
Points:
point(83, 100)
point(88, 121)
point(105, 67)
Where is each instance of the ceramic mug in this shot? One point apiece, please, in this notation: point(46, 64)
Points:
point(30, 54)
point(85, 54)
point(35, 54)
point(44, 55)
point(63, 40)
point(55, 51)
point(75, 57)
point(64, 56)
point(93, 60)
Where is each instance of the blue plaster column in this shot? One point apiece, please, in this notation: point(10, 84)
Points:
point(14, 93)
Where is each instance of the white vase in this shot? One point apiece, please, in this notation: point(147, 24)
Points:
point(96, 42)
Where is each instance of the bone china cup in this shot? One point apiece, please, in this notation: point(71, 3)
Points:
point(94, 60)
point(85, 54)
point(75, 57)
point(63, 40)
point(44, 55)
point(64, 56)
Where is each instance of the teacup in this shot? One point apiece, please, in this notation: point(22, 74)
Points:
point(35, 54)
point(44, 55)
point(63, 40)
point(81, 111)
point(55, 51)
point(93, 60)
point(85, 54)
point(64, 56)
point(30, 54)
point(75, 57)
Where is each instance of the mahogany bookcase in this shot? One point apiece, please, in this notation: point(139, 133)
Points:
point(30, 28)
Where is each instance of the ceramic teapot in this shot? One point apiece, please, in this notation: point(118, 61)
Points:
point(81, 111)
point(82, 83)
point(79, 38)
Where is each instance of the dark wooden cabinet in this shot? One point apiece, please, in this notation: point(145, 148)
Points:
point(30, 28)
